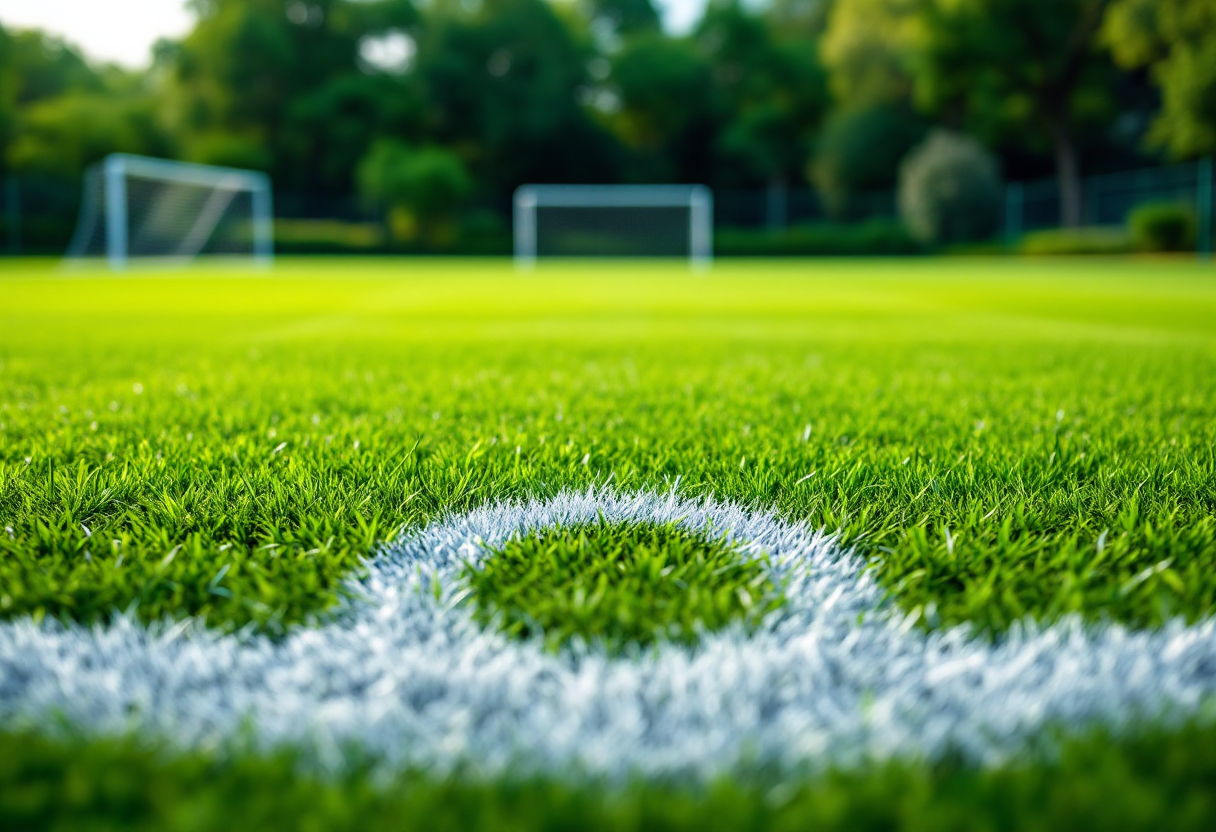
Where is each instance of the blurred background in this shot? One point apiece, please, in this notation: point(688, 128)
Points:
point(822, 126)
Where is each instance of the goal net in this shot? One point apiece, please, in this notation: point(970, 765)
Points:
point(613, 221)
point(138, 207)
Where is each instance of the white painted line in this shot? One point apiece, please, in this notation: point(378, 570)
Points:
point(836, 677)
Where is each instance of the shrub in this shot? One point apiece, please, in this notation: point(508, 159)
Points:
point(859, 152)
point(1163, 227)
point(950, 191)
point(422, 188)
point(1064, 241)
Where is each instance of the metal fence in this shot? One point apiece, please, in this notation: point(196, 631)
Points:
point(38, 213)
point(1110, 199)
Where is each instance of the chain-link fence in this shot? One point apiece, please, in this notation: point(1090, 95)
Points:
point(1110, 199)
point(38, 213)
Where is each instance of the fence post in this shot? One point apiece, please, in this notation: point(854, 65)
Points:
point(1013, 212)
point(775, 210)
point(1205, 208)
point(12, 211)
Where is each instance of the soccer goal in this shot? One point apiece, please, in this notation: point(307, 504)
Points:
point(138, 207)
point(613, 221)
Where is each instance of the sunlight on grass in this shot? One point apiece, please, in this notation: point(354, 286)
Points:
point(1003, 438)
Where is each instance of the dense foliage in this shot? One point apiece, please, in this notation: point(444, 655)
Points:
point(1163, 227)
point(950, 191)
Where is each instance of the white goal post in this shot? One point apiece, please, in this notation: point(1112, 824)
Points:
point(137, 207)
point(613, 221)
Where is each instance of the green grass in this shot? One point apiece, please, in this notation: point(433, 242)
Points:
point(1003, 439)
point(1149, 782)
point(617, 585)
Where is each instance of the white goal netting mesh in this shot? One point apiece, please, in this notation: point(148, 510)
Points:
point(134, 208)
point(671, 221)
point(613, 232)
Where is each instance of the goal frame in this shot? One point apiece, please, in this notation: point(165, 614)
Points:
point(697, 198)
point(117, 168)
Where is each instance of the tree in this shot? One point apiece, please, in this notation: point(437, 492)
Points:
point(502, 86)
point(860, 150)
point(335, 125)
point(66, 134)
point(996, 66)
point(34, 68)
point(239, 75)
point(623, 17)
point(805, 18)
point(669, 111)
point(421, 188)
point(1176, 40)
point(773, 94)
point(868, 48)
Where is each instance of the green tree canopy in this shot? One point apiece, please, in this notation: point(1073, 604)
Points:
point(35, 68)
point(1176, 39)
point(773, 92)
point(502, 88)
point(421, 187)
point(1021, 66)
point(669, 111)
point(239, 76)
point(868, 47)
point(860, 150)
point(623, 17)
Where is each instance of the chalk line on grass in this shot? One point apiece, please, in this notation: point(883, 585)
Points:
point(402, 673)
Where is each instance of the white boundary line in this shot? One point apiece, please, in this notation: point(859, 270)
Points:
point(837, 677)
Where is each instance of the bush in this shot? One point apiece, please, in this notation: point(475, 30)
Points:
point(859, 153)
point(1064, 241)
point(1163, 227)
point(950, 191)
point(824, 239)
point(422, 188)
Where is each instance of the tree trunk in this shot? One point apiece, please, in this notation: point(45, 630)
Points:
point(1068, 174)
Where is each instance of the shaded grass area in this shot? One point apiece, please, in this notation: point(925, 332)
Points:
point(617, 585)
point(1003, 438)
point(1150, 782)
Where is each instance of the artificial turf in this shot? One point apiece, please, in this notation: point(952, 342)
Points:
point(1002, 438)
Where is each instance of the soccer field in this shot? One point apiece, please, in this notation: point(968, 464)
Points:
point(920, 544)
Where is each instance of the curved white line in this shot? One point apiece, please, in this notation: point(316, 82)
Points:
point(837, 676)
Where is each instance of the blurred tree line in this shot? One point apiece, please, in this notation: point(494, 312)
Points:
point(423, 106)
